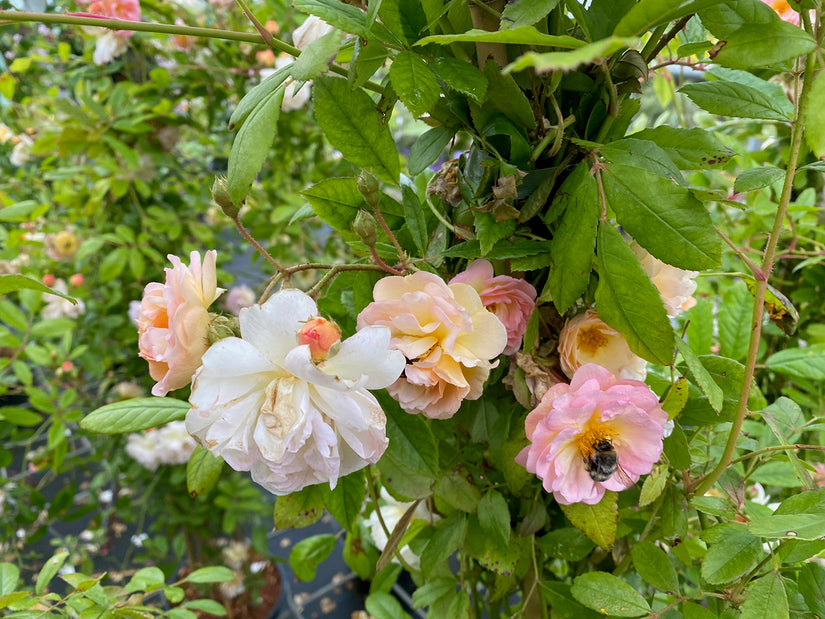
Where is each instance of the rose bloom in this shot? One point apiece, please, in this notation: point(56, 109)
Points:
point(571, 419)
point(173, 322)
point(58, 307)
point(676, 286)
point(784, 10)
point(264, 405)
point(391, 513)
point(311, 30)
point(112, 43)
point(446, 334)
point(511, 300)
point(168, 444)
point(585, 338)
point(239, 297)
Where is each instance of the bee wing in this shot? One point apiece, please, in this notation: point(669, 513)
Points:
point(622, 476)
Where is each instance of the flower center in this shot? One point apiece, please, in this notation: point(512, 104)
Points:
point(594, 432)
point(590, 339)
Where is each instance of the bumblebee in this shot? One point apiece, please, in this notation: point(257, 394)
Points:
point(603, 462)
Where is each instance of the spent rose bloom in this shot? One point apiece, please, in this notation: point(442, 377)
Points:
point(676, 286)
point(446, 334)
point(263, 405)
point(511, 300)
point(174, 321)
point(585, 338)
point(571, 419)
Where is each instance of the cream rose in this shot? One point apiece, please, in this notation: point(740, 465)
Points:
point(676, 286)
point(447, 335)
point(587, 339)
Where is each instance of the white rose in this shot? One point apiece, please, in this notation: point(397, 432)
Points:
point(676, 286)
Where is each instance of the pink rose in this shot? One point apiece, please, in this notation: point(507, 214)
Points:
point(173, 322)
point(115, 9)
point(511, 300)
point(578, 429)
point(445, 333)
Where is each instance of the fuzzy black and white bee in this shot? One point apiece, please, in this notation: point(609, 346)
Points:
point(602, 462)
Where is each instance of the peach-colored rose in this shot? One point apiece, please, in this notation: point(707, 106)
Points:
point(511, 300)
point(587, 339)
point(675, 285)
point(174, 322)
point(111, 43)
point(445, 333)
point(320, 335)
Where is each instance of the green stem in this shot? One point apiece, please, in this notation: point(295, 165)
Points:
point(7, 17)
point(761, 277)
point(765, 450)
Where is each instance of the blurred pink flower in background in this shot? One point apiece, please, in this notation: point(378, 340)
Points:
point(111, 43)
point(446, 334)
point(571, 419)
point(585, 338)
point(173, 322)
point(264, 405)
point(511, 300)
point(239, 297)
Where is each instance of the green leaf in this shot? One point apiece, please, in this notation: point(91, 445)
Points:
point(676, 397)
point(494, 516)
point(410, 464)
point(336, 201)
point(649, 13)
point(384, 606)
point(729, 375)
point(113, 264)
point(214, 573)
point(9, 577)
point(567, 543)
point(49, 570)
point(734, 322)
point(738, 100)
point(757, 178)
point(134, 415)
point(523, 35)
point(53, 327)
point(567, 61)
point(314, 60)
point(202, 471)
point(557, 595)
point(763, 45)
point(307, 554)
point(654, 566)
point(701, 326)
point(574, 241)
point(145, 579)
point(609, 595)
point(461, 76)
point(701, 376)
point(765, 598)
point(449, 533)
point(505, 96)
point(490, 552)
point(645, 154)
point(299, 509)
point(812, 587)
point(800, 362)
point(653, 485)
point(814, 120)
point(258, 95)
point(689, 149)
point(353, 125)
point(343, 16)
point(525, 12)
point(724, 19)
point(598, 522)
point(490, 231)
point(19, 416)
point(433, 590)
point(793, 526)
point(344, 503)
point(11, 282)
point(715, 506)
point(208, 606)
point(427, 147)
point(780, 309)
point(732, 551)
point(663, 217)
point(457, 491)
point(414, 83)
point(628, 301)
point(251, 145)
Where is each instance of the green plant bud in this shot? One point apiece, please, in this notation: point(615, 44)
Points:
point(221, 327)
point(220, 194)
point(368, 187)
point(365, 227)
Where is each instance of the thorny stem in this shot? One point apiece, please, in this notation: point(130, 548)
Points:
point(380, 262)
point(765, 450)
point(761, 276)
point(667, 38)
point(190, 31)
point(402, 256)
point(596, 171)
point(245, 234)
point(751, 265)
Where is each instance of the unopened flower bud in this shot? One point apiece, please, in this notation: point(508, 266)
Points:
point(221, 197)
point(49, 279)
point(221, 327)
point(320, 335)
point(365, 227)
point(77, 279)
point(367, 185)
